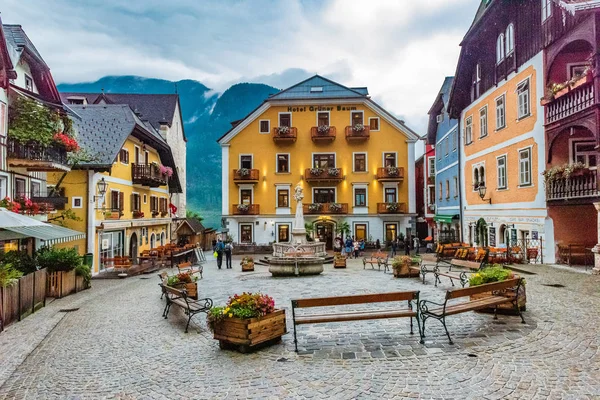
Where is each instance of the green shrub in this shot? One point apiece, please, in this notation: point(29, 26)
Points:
point(85, 271)
point(8, 275)
point(58, 259)
point(20, 260)
point(491, 274)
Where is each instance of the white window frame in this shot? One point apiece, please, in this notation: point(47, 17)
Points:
point(251, 231)
point(501, 172)
point(509, 39)
point(27, 76)
point(431, 166)
point(3, 186)
point(335, 192)
point(389, 152)
point(483, 122)
point(366, 162)
point(502, 113)
point(390, 186)
point(277, 189)
point(139, 153)
point(355, 112)
point(251, 160)
point(477, 167)
point(378, 124)
point(362, 186)
point(3, 119)
point(573, 151)
point(279, 118)
point(268, 121)
point(121, 161)
point(468, 130)
point(323, 112)
point(500, 48)
point(546, 9)
point(277, 163)
point(243, 187)
point(455, 186)
point(145, 198)
point(312, 158)
point(524, 82)
point(280, 224)
point(73, 199)
point(447, 189)
point(522, 183)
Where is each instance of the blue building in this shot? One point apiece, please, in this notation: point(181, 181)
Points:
point(444, 167)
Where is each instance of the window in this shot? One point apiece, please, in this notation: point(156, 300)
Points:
point(447, 145)
point(246, 161)
point(283, 233)
point(578, 69)
point(137, 155)
point(357, 118)
point(324, 195)
point(264, 126)
point(246, 233)
point(500, 47)
point(389, 160)
point(500, 112)
point(77, 202)
point(135, 202)
point(374, 124)
point(316, 89)
point(525, 167)
point(35, 189)
point(478, 176)
point(455, 187)
point(360, 231)
point(501, 166)
point(360, 162)
point(510, 39)
point(447, 189)
point(147, 157)
point(483, 128)
point(285, 119)
point(283, 198)
point(391, 232)
point(145, 199)
point(390, 195)
point(360, 197)
point(124, 156)
point(2, 119)
point(469, 131)
point(584, 152)
point(431, 196)
point(246, 196)
point(523, 99)
point(546, 9)
point(431, 166)
point(324, 160)
point(117, 200)
point(454, 140)
point(283, 163)
point(20, 190)
point(476, 86)
point(75, 100)
point(28, 83)
point(322, 119)
point(154, 204)
point(162, 205)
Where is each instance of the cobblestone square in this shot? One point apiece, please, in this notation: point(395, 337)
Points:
point(117, 345)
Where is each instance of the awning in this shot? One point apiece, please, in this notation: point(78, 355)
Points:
point(445, 218)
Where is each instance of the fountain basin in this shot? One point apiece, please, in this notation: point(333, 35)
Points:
point(286, 266)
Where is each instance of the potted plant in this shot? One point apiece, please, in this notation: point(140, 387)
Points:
point(243, 208)
point(62, 266)
point(315, 207)
point(358, 128)
point(335, 207)
point(186, 281)
point(138, 214)
point(400, 266)
point(283, 130)
point(323, 129)
point(496, 274)
point(247, 321)
point(339, 261)
point(247, 264)
point(316, 171)
point(244, 172)
point(392, 207)
point(333, 172)
point(392, 171)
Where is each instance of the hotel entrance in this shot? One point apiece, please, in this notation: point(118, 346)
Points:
point(324, 231)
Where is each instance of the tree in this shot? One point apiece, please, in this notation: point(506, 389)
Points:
point(343, 228)
point(193, 215)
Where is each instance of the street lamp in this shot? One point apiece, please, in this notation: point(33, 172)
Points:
point(482, 189)
point(101, 187)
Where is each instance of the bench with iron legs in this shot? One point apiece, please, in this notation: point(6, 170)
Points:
point(188, 267)
point(499, 293)
point(409, 312)
point(469, 267)
point(424, 268)
point(180, 298)
point(378, 259)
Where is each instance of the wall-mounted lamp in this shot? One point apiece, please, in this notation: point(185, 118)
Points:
point(301, 177)
point(101, 186)
point(265, 225)
point(344, 177)
point(272, 223)
point(482, 189)
point(264, 178)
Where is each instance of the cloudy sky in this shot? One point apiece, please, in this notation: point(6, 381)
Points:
point(400, 49)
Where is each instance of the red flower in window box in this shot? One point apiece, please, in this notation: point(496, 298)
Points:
point(138, 214)
point(69, 143)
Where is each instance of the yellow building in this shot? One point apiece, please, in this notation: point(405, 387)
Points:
point(120, 196)
point(355, 161)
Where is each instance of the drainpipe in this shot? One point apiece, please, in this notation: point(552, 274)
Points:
point(460, 176)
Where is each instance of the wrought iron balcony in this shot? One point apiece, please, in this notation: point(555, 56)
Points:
point(575, 100)
point(246, 175)
point(355, 135)
point(390, 174)
point(245, 209)
point(280, 136)
point(321, 134)
point(147, 175)
point(391, 208)
point(35, 157)
point(328, 175)
point(584, 186)
point(50, 203)
point(325, 208)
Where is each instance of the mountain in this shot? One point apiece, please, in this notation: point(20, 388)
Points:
point(206, 117)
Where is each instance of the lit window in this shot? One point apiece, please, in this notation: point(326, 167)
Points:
point(283, 163)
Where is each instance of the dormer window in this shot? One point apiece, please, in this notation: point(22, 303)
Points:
point(475, 89)
point(510, 39)
point(28, 83)
point(316, 89)
point(76, 100)
point(546, 9)
point(500, 49)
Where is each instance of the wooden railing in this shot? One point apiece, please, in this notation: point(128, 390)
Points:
point(245, 209)
point(334, 175)
point(51, 203)
point(147, 175)
point(285, 137)
point(575, 187)
point(247, 175)
point(36, 157)
point(391, 208)
point(351, 134)
point(390, 174)
point(325, 208)
point(576, 100)
point(25, 297)
point(317, 136)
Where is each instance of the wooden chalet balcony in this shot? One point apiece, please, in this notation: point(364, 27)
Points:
point(326, 175)
point(327, 136)
point(35, 157)
point(245, 175)
point(325, 208)
point(245, 209)
point(580, 188)
point(147, 175)
point(357, 136)
point(391, 208)
point(575, 100)
point(51, 203)
point(390, 174)
point(289, 137)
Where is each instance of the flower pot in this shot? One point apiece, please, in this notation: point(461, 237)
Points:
point(250, 333)
point(506, 308)
point(190, 288)
point(339, 263)
point(401, 271)
point(249, 266)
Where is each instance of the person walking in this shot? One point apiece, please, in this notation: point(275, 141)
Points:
point(349, 247)
point(394, 247)
point(228, 252)
point(219, 248)
point(407, 245)
point(356, 248)
point(417, 244)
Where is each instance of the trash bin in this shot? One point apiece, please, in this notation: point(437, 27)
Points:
point(88, 259)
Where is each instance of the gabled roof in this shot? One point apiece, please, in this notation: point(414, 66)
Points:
point(155, 108)
point(20, 42)
point(195, 225)
point(328, 90)
point(7, 71)
point(440, 106)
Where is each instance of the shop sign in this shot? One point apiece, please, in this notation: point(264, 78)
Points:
point(321, 108)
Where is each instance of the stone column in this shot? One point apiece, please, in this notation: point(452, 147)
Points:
point(596, 248)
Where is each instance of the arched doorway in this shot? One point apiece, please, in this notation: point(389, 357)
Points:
point(152, 241)
point(325, 231)
point(481, 237)
point(133, 248)
point(162, 239)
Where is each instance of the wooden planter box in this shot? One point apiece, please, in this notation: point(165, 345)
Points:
point(190, 288)
point(339, 263)
point(248, 267)
point(506, 308)
point(247, 334)
point(402, 272)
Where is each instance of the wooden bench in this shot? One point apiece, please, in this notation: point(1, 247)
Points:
point(409, 297)
point(180, 298)
point(378, 258)
point(461, 276)
point(188, 267)
point(499, 293)
point(426, 266)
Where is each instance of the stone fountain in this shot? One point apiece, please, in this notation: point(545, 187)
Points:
point(299, 257)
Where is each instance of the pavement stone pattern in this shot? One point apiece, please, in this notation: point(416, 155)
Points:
point(118, 346)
